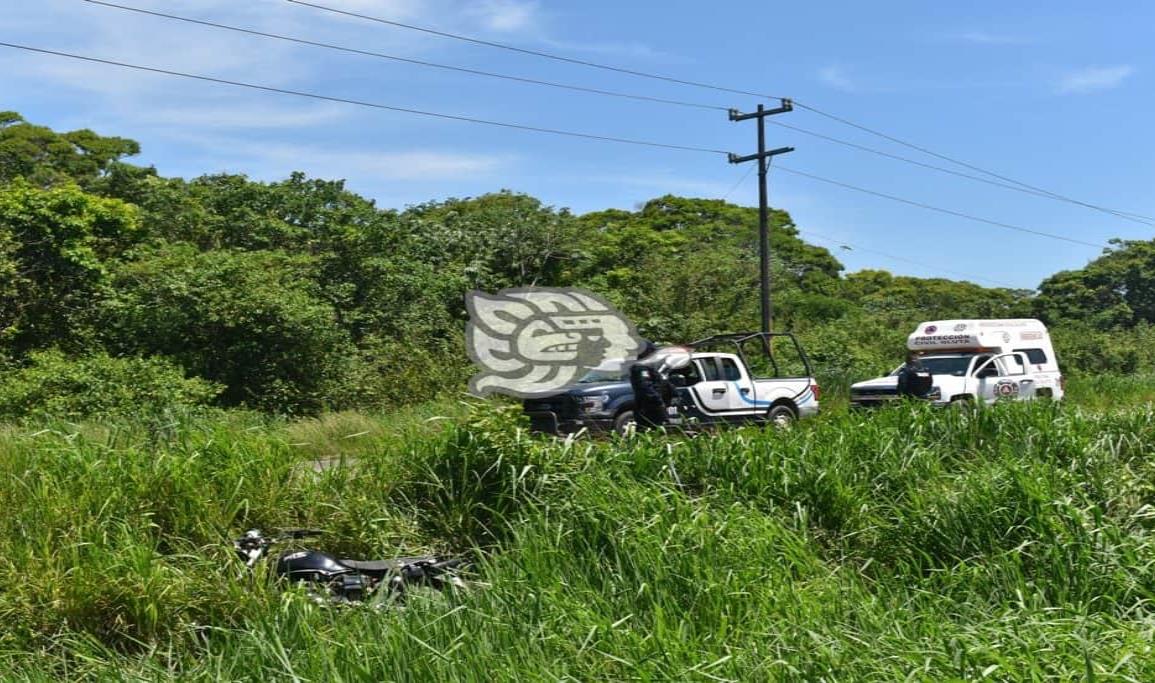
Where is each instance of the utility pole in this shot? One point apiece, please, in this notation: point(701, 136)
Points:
point(763, 158)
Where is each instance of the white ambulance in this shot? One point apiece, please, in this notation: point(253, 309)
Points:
point(975, 361)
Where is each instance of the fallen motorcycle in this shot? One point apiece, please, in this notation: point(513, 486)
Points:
point(350, 581)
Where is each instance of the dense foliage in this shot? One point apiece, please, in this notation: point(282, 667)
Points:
point(50, 384)
point(299, 296)
point(1012, 543)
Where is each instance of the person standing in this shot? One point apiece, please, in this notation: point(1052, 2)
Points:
point(914, 380)
point(650, 390)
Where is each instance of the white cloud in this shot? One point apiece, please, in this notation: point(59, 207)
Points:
point(394, 9)
point(836, 77)
point(241, 116)
point(662, 183)
point(188, 127)
point(627, 50)
point(273, 160)
point(1093, 78)
point(506, 16)
point(989, 38)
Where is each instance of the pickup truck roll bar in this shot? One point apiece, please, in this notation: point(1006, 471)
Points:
point(740, 339)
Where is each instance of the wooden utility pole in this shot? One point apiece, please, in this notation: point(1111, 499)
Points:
point(763, 158)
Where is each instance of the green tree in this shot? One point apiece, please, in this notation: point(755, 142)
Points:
point(901, 300)
point(98, 386)
point(44, 157)
point(254, 322)
point(493, 241)
point(56, 246)
point(1115, 290)
point(683, 268)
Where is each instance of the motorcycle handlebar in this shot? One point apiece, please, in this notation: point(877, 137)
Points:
point(258, 537)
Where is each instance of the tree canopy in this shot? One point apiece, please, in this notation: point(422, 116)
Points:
point(299, 295)
point(44, 157)
point(1115, 290)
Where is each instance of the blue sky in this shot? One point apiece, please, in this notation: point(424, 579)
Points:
point(1056, 94)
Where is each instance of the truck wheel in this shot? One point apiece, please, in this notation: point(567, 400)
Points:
point(625, 423)
point(781, 415)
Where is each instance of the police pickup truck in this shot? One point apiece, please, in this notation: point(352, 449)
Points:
point(975, 361)
point(731, 378)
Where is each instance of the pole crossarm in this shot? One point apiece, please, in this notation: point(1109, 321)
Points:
point(787, 106)
point(735, 159)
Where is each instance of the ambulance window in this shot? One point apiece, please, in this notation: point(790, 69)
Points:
point(1035, 356)
point(730, 371)
point(1013, 364)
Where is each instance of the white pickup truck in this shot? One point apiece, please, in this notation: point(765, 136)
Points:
point(975, 361)
point(731, 378)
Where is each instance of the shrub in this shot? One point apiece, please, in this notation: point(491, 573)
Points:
point(99, 385)
point(253, 321)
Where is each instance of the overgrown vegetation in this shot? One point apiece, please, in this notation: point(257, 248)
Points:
point(299, 296)
point(51, 385)
point(1012, 542)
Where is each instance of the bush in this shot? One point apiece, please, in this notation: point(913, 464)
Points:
point(1085, 350)
point(253, 321)
point(385, 375)
point(96, 386)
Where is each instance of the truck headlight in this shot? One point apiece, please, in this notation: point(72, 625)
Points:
point(593, 404)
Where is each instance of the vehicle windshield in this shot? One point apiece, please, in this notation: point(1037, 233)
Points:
point(945, 365)
point(604, 376)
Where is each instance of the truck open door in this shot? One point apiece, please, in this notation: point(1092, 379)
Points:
point(1004, 377)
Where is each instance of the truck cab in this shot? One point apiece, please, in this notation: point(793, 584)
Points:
point(980, 361)
point(716, 387)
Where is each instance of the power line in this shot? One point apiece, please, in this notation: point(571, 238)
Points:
point(1037, 193)
point(928, 207)
point(749, 170)
point(527, 51)
point(547, 55)
point(924, 150)
point(949, 212)
point(856, 247)
point(407, 60)
point(597, 91)
point(536, 129)
point(374, 105)
point(904, 259)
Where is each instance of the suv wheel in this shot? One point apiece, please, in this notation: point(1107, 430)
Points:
point(625, 424)
point(781, 415)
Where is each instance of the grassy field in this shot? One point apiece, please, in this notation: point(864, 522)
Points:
point(1011, 543)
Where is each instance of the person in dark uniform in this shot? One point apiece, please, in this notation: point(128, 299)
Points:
point(914, 380)
point(651, 391)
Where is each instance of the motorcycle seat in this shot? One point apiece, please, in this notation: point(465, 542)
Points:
point(383, 566)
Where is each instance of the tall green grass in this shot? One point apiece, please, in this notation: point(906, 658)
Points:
point(1011, 543)
point(1109, 392)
